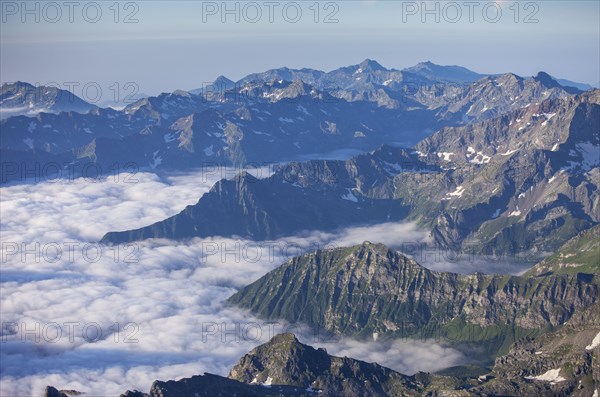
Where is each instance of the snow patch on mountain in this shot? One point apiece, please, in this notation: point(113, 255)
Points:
point(457, 193)
point(595, 343)
point(171, 136)
point(445, 155)
point(477, 157)
point(548, 117)
point(302, 109)
point(552, 376)
point(28, 142)
point(156, 160)
point(350, 196)
point(516, 212)
point(509, 152)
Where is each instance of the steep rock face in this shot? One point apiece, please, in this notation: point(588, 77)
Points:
point(547, 80)
point(509, 181)
point(561, 363)
point(371, 289)
point(546, 125)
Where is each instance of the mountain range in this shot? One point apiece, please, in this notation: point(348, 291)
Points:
point(523, 182)
point(25, 99)
point(362, 76)
point(279, 115)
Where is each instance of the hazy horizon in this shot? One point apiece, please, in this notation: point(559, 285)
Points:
point(182, 44)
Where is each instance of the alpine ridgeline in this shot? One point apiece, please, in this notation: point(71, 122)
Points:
point(523, 182)
point(279, 115)
point(370, 289)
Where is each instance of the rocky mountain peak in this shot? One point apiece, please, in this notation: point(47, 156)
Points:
point(285, 343)
point(282, 360)
point(285, 361)
point(182, 93)
point(23, 98)
point(369, 65)
point(53, 392)
point(285, 338)
point(545, 79)
point(550, 82)
point(15, 85)
point(509, 78)
point(369, 249)
point(374, 275)
point(297, 88)
point(222, 80)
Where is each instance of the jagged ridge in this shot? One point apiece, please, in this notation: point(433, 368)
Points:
point(369, 289)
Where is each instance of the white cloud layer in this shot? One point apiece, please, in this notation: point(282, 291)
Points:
point(111, 320)
point(404, 355)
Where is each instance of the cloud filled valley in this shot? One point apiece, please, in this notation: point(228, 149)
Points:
point(187, 209)
point(107, 319)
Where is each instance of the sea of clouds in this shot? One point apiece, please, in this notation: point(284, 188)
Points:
point(98, 319)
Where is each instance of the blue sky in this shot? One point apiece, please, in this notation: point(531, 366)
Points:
point(183, 44)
